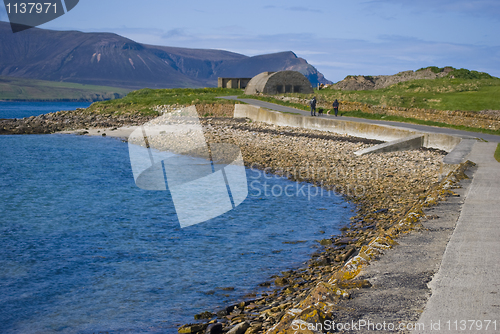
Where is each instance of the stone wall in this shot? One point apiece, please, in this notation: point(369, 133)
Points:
point(239, 83)
point(204, 110)
point(357, 129)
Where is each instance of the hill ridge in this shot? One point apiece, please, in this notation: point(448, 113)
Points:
point(363, 82)
point(108, 59)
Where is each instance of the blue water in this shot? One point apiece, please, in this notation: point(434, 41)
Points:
point(27, 109)
point(83, 250)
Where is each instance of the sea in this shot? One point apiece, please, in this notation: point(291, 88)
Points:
point(84, 250)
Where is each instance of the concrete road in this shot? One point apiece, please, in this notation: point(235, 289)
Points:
point(423, 128)
point(466, 288)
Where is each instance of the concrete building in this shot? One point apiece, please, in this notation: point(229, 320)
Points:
point(278, 83)
point(240, 83)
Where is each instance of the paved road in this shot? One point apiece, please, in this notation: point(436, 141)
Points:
point(417, 127)
point(467, 285)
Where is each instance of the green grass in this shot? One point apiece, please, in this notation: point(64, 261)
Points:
point(497, 153)
point(143, 101)
point(20, 89)
point(375, 116)
point(392, 118)
point(278, 101)
point(441, 94)
point(291, 113)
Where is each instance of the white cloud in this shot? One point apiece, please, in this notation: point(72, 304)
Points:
point(303, 9)
point(175, 33)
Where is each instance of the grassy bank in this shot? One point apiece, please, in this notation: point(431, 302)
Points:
point(467, 92)
point(376, 116)
point(417, 121)
point(461, 89)
point(440, 94)
point(19, 89)
point(145, 100)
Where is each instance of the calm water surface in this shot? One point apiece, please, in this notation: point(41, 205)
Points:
point(27, 109)
point(82, 249)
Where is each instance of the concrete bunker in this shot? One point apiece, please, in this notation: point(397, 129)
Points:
point(278, 83)
point(240, 83)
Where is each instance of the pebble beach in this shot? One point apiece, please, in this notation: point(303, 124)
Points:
point(385, 187)
point(388, 189)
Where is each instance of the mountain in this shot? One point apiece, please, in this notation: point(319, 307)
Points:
point(108, 59)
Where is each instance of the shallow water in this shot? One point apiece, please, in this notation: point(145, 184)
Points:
point(82, 249)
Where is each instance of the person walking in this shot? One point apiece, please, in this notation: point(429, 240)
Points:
point(312, 103)
point(335, 106)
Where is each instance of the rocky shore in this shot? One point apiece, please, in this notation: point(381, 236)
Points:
point(390, 190)
point(67, 120)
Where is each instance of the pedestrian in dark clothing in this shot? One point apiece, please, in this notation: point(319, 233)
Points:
point(335, 106)
point(312, 103)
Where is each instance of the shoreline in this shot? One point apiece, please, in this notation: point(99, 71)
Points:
point(393, 184)
point(121, 132)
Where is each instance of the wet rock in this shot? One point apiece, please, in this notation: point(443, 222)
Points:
point(239, 329)
point(192, 328)
point(280, 281)
point(204, 315)
point(254, 329)
point(345, 241)
point(214, 329)
point(222, 313)
point(325, 242)
point(348, 254)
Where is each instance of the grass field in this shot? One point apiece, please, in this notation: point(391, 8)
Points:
point(461, 89)
point(20, 89)
point(497, 153)
point(375, 116)
point(469, 90)
point(143, 101)
point(441, 94)
point(417, 121)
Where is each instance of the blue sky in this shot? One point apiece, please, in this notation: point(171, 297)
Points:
point(339, 38)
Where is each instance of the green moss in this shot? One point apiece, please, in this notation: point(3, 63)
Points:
point(143, 101)
point(466, 74)
point(497, 153)
point(459, 93)
point(384, 117)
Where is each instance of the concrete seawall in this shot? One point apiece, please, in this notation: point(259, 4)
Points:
point(370, 131)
